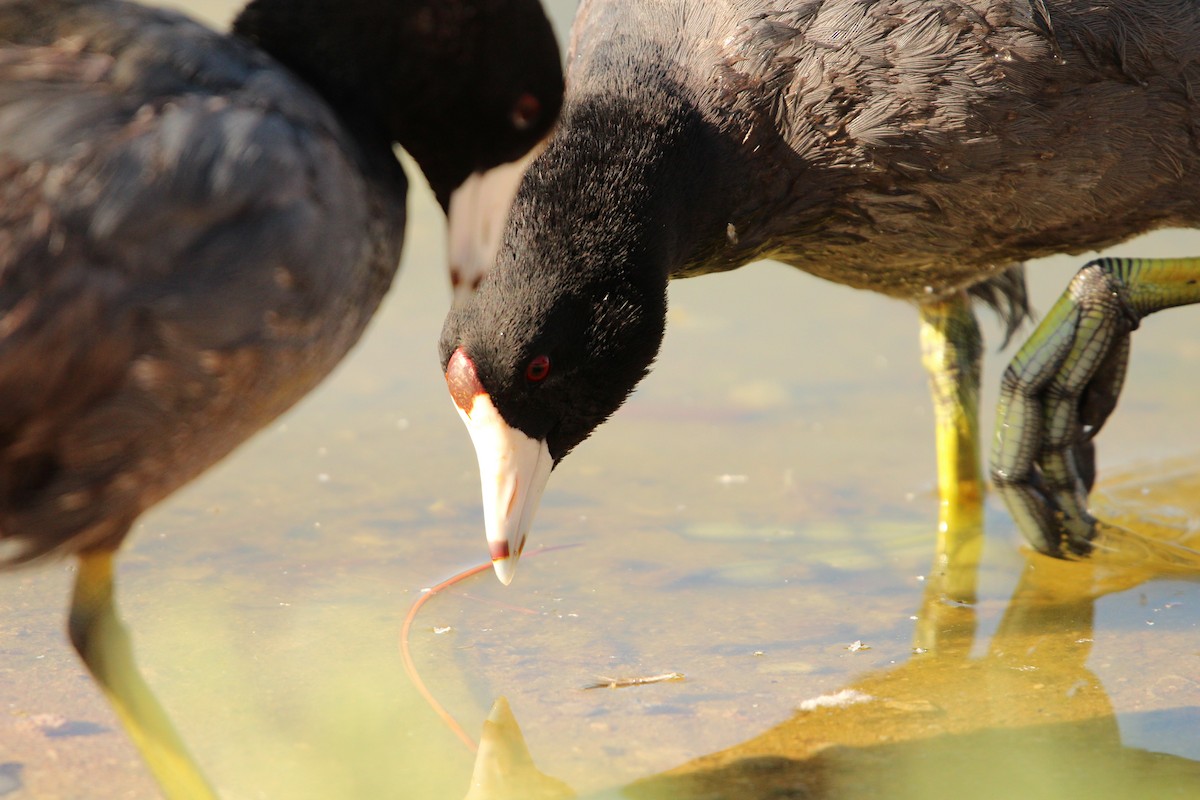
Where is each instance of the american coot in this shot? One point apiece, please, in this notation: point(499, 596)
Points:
point(195, 228)
point(919, 148)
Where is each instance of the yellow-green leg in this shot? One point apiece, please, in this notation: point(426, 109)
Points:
point(103, 644)
point(1063, 384)
point(951, 349)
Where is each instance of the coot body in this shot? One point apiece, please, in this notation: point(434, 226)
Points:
point(915, 148)
point(194, 229)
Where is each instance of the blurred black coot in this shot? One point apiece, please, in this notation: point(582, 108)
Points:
point(918, 148)
point(196, 227)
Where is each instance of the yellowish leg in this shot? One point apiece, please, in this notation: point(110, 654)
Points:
point(951, 348)
point(103, 644)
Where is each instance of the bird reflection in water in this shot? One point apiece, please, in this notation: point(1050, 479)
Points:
point(1025, 717)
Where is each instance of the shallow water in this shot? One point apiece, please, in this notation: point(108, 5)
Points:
point(762, 504)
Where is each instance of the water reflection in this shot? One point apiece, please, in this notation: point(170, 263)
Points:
point(504, 768)
point(1026, 717)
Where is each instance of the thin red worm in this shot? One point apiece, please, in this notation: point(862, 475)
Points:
point(410, 666)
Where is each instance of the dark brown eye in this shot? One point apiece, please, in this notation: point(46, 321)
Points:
point(537, 369)
point(526, 112)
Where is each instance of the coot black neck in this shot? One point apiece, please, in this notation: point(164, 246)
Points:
point(624, 177)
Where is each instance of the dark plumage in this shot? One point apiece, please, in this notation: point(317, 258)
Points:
point(914, 148)
point(195, 228)
point(191, 236)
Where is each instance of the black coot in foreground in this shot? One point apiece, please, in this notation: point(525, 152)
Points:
point(195, 228)
point(918, 148)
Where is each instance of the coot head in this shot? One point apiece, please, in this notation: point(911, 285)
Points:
point(498, 79)
point(530, 394)
point(542, 354)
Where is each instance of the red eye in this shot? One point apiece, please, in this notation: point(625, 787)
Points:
point(526, 111)
point(537, 369)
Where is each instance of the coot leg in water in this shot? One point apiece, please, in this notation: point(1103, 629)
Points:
point(194, 229)
point(920, 148)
